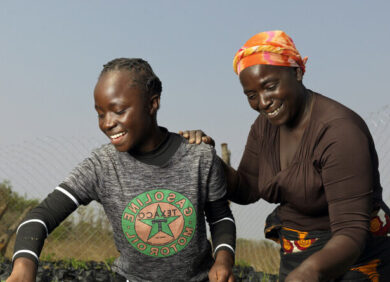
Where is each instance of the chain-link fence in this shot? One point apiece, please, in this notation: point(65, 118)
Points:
point(35, 167)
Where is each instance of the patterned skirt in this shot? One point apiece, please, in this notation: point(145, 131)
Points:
point(373, 265)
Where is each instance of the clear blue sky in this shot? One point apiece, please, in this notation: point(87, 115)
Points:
point(52, 51)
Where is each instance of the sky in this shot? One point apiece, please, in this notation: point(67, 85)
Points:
point(51, 53)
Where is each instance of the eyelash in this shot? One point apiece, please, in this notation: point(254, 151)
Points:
point(100, 116)
point(252, 96)
point(120, 112)
point(271, 87)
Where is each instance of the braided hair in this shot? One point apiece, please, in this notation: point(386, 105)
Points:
point(144, 75)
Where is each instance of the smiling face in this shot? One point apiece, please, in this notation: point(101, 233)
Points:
point(127, 114)
point(275, 91)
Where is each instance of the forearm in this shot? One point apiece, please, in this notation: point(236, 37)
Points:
point(39, 222)
point(222, 226)
point(223, 234)
point(224, 257)
point(332, 261)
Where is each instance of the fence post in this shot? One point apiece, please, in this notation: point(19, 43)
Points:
point(225, 153)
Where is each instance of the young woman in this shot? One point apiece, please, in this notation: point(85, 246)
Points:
point(155, 189)
point(317, 159)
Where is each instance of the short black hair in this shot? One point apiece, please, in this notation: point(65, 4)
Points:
point(145, 76)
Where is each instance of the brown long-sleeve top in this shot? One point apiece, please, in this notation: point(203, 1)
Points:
point(332, 183)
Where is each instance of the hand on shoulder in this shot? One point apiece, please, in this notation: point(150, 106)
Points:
point(197, 137)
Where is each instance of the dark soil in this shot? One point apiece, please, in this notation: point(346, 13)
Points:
point(99, 272)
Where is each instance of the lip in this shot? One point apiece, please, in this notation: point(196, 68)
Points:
point(274, 113)
point(115, 139)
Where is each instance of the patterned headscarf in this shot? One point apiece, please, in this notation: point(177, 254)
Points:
point(268, 48)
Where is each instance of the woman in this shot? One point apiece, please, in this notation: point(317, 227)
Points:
point(317, 159)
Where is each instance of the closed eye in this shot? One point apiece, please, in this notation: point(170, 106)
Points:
point(271, 86)
point(121, 112)
point(251, 95)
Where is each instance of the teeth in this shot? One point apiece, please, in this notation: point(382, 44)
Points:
point(117, 135)
point(275, 112)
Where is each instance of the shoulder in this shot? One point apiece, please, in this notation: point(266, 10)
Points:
point(198, 149)
point(201, 151)
point(329, 111)
point(104, 152)
point(335, 124)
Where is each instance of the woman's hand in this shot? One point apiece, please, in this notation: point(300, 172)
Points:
point(222, 269)
point(197, 136)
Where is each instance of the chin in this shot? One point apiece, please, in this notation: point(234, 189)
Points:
point(279, 121)
point(276, 122)
point(120, 149)
point(123, 147)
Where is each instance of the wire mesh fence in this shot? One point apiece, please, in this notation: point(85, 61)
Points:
point(34, 168)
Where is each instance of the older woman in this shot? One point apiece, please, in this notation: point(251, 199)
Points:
point(317, 159)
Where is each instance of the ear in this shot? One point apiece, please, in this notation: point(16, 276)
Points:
point(299, 74)
point(154, 103)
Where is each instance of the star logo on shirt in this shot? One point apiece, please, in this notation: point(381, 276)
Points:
point(160, 223)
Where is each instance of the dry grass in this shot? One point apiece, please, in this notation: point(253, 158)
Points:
point(262, 255)
point(87, 250)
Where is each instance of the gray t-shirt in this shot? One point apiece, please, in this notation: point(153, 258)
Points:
point(157, 212)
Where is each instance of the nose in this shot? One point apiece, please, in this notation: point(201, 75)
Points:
point(108, 122)
point(264, 101)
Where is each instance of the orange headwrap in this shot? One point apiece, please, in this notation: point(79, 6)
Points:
point(268, 48)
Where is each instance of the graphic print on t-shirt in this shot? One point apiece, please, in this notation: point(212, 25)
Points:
point(159, 223)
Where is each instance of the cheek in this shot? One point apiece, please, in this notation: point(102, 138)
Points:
point(253, 104)
point(128, 120)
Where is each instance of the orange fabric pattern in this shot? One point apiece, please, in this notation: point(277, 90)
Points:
point(294, 246)
point(369, 269)
point(269, 48)
point(380, 224)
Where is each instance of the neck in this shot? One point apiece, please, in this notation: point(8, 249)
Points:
point(158, 137)
point(155, 137)
point(303, 114)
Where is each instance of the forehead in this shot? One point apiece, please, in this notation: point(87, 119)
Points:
point(261, 70)
point(264, 72)
point(117, 78)
point(115, 85)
